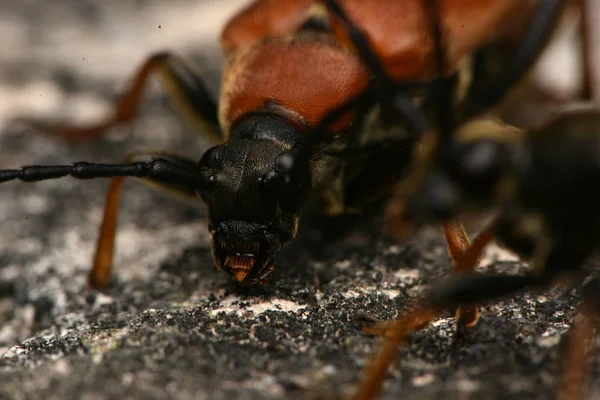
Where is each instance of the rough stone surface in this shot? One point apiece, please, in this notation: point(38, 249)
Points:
point(170, 326)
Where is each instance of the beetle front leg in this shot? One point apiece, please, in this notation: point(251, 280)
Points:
point(99, 275)
point(183, 85)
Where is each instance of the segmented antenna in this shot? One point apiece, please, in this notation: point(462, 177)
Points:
point(158, 169)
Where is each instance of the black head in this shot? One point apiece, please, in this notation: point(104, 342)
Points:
point(476, 167)
point(253, 203)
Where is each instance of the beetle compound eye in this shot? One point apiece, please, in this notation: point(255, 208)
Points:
point(284, 162)
point(210, 158)
point(270, 182)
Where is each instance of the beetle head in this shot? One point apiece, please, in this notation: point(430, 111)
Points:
point(474, 168)
point(253, 205)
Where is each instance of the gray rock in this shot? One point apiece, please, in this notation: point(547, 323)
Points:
point(170, 326)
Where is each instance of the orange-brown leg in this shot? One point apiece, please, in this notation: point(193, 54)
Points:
point(458, 243)
point(396, 331)
point(575, 362)
point(464, 263)
point(103, 259)
point(183, 85)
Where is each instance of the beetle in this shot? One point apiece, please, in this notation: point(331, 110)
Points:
point(306, 110)
point(543, 184)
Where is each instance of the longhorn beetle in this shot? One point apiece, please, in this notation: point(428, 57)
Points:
point(306, 109)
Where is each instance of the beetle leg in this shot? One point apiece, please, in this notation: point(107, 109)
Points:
point(458, 242)
point(183, 85)
point(575, 361)
point(476, 288)
point(469, 288)
point(465, 257)
point(103, 259)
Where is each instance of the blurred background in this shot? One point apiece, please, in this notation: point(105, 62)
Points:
point(68, 60)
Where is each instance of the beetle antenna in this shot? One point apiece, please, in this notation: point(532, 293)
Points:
point(158, 169)
point(443, 87)
point(591, 90)
point(360, 42)
point(368, 56)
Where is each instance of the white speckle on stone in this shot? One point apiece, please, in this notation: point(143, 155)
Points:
point(467, 385)
point(231, 305)
point(101, 299)
point(408, 276)
point(442, 322)
point(63, 367)
point(97, 358)
point(392, 294)
point(542, 299)
point(329, 370)
point(35, 204)
point(345, 264)
point(14, 351)
point(357, 292)
point(494, 253)
point(423, 380)
point(394, 250)
point(559, 314)
point(352, 294)
point(548, 339)
point(127, 379)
